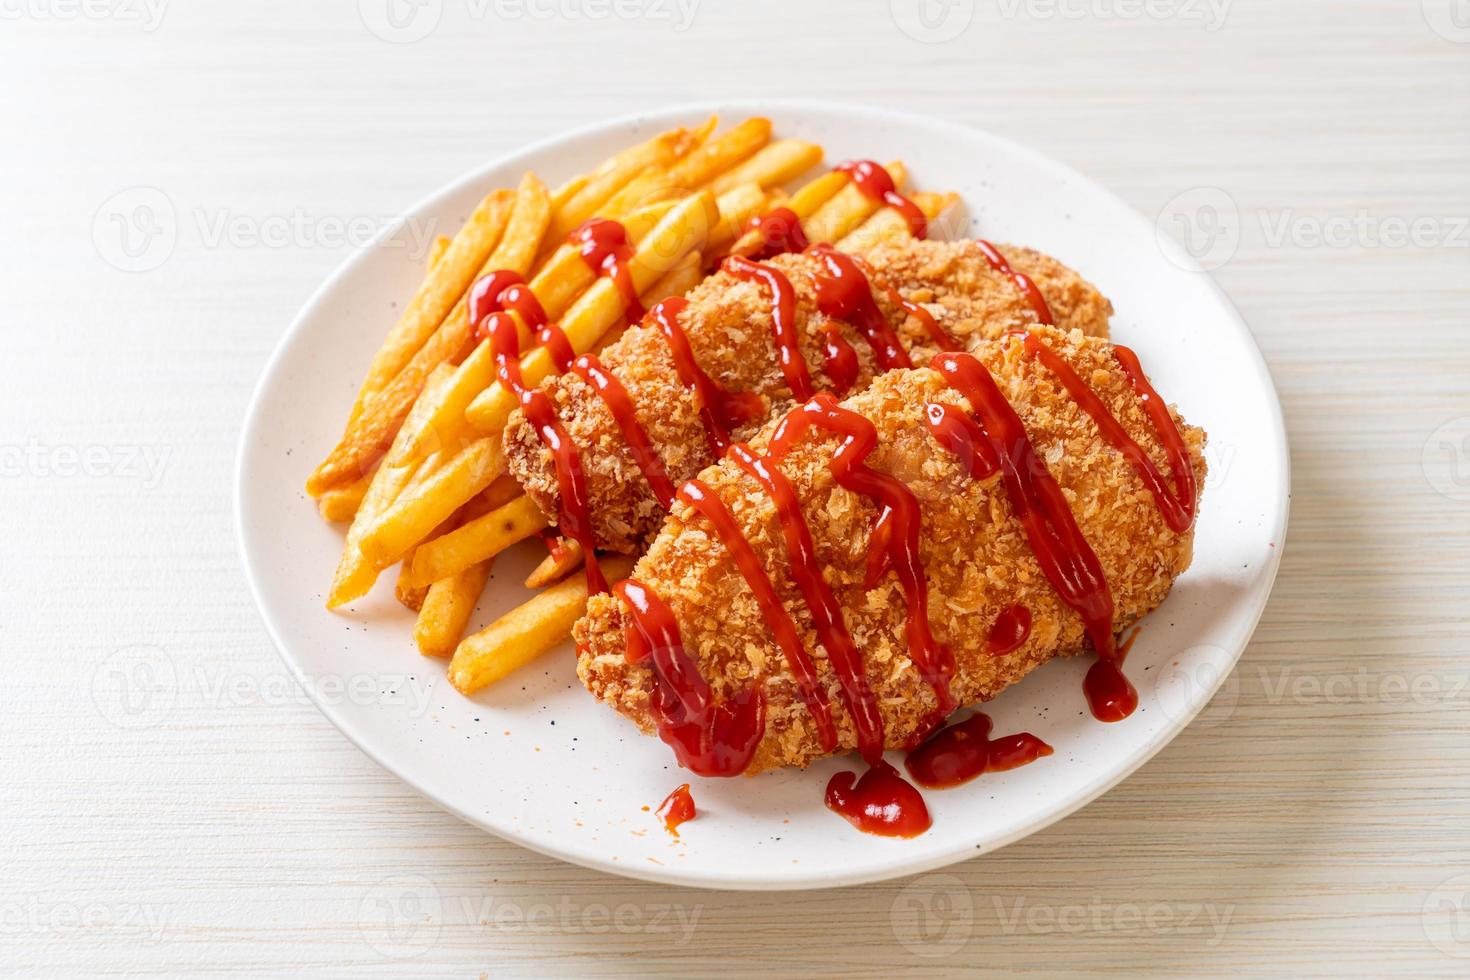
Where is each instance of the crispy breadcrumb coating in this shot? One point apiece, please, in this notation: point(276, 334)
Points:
point(974, 551)
point(728, 322)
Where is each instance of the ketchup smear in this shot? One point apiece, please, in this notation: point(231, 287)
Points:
point(965, 749)
point(882, 802)
point(676, 808)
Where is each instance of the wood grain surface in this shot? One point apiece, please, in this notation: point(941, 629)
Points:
point(177, 177)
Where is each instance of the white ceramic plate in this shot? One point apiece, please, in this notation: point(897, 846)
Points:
point(536, 760)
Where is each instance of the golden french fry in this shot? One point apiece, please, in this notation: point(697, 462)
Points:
point(527, 631)
point(676, 282)
point(341, 504)
point(497, 494)
point(384, 412)
point(476, 540)
point(737, 206)
point(847, 209)
point(526, 228)
point(804, 203)
point(445, 283)
point(564, 557)
point(444, 422)
point(566, 275)
point(563, 194)
point(413, 516)
point(773, 165)
point(886, 224)
point(683, 230)
point(446, 610)
point(720, 153)
point(437, 250)
point(409, 595)
point(355, 572)
point(660, 151)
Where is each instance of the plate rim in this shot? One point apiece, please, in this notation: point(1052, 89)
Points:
point(884, 869)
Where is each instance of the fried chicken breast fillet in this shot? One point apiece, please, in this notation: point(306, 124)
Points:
point(974, 551)
point(729, 325)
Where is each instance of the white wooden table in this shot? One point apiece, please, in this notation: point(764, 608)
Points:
point(1316, 821)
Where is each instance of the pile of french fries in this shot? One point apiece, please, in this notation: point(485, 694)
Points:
point(419, 471)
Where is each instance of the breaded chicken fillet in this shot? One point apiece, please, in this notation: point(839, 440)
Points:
point(978, 557)
point(731, 335)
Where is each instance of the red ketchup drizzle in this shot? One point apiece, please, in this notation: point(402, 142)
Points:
point(938, 334)
point(839, 360)
point(843, 293)
point(720, 410)
point(615, 396)
point(896, 533)
point(676, 808)
point(708, 739)
point(573, 518)
point(505, 290)
point(1065, 557)
point(1176, 507)
point(780, 232)
point(965, 749)
point(1110, 696)
point(876, 184)
point(881, 802)
point(1023, 282)
point(700, 497)
point(783, 318)
point(847, 662)
point(604, 246)
point(1011, 629)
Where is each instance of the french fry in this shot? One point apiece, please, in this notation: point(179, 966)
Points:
point(446, 282)
point(412, 517)
point(384, 412)
point(341, 504)
point(660, 151)
point(566, 556)
point(444, 421)
point(475, 541)
point(676, 282)
point(886, 224)
point(847, 209)
point(774, 164)
point(447, 608)
point(737, 206)
point(563, 194)
point(527, 631)
point(409, 595)
point(720, 153)
point(497, 494)
point(355, 573)
point(683, 230)
point(552, 287)
point(437, 250)
point(804, 203)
